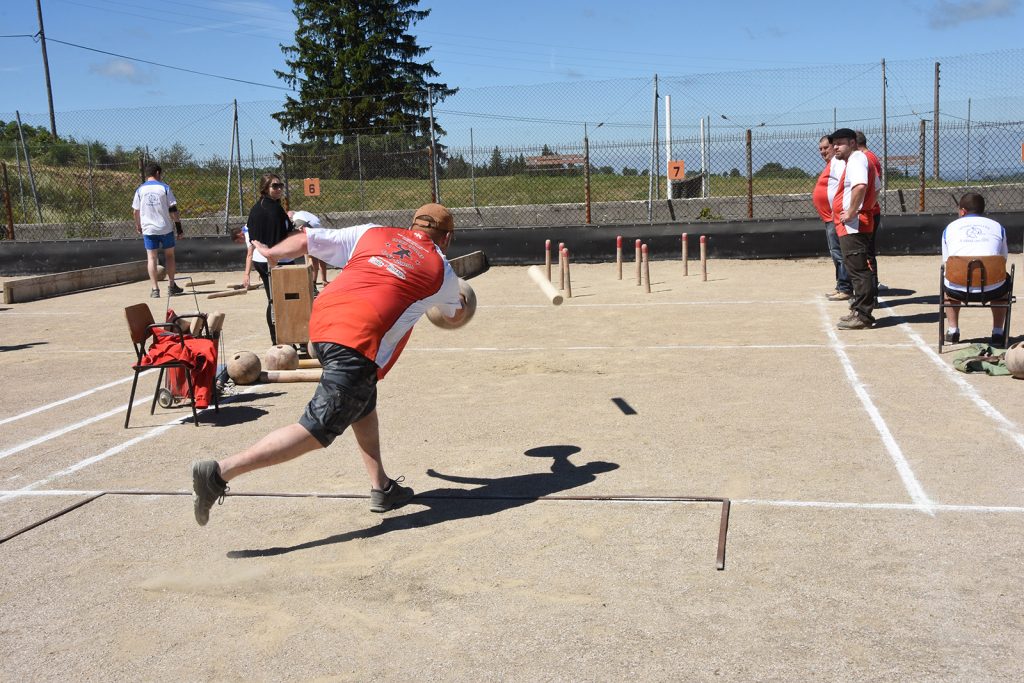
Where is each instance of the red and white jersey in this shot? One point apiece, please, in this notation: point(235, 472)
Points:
point(389, 278)
point(877, 165)
point(857, 171)
point(826, 187)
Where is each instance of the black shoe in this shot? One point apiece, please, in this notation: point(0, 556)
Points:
point(998, 341)
point(951, 337)
point(394, 496)
point(174, 290)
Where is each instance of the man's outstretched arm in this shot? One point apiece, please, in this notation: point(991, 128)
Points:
point(290, 247)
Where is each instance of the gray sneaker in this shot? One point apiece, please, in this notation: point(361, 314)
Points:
point(849, 316)
point(394, 496)
point(857, 323)
point(206, 490)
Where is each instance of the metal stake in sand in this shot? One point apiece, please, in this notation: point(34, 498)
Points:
point(703, 258)
point(561, 266)
point(565, 273)
point(647, 269)
point(686, 257)
point(618, 254)
point(547, 257)
point(637, 263)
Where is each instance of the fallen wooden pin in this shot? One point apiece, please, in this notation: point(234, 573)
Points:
point(291, 375)
point(230, 292)
point(199, 283)
point(309, 363)
point(251, 287)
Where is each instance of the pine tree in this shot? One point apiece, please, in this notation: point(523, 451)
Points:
point(355, 67)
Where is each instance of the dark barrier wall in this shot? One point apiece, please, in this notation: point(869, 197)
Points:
point(511, 246)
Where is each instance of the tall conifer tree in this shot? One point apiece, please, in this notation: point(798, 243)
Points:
point(355, 67)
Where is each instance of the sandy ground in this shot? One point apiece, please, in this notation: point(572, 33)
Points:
point(877, 500)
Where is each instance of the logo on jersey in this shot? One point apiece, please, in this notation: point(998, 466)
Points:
point(390, 267)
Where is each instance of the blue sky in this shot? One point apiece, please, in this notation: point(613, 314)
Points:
point(474, 44)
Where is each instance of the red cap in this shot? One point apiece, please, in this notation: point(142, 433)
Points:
point(643, 248)
point(703, 238)
point(618, 240)
point(547, 244)
point(638, 243)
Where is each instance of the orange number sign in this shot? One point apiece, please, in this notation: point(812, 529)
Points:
point(311, 187)
point(676, 170)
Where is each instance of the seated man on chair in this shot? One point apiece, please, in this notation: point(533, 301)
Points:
point(972, 234)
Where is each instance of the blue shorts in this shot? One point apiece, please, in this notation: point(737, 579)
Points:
point(156, 241)
point(347, 392)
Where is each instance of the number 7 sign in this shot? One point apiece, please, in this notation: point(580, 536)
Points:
point(676, 170)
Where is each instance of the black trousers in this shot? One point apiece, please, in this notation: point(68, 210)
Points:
point(264, 273)
point(858, 256)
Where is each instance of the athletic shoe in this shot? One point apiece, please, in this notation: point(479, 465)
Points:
point(206, 490)
point(998, 341)
point(951, 337)
point(154, 294)
point(394, 496)
point(838, 296)
point(174, 290)
point(857, 323)
point(849, 316)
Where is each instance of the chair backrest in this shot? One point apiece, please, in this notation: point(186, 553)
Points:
point(139, 319)
point(982, 270)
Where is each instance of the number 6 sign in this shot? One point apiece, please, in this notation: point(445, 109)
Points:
point(311, 187)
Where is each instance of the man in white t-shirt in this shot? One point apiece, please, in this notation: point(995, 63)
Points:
point(972, 234)
point(301, 219)
point(157, 219)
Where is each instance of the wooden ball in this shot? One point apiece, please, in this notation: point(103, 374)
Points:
point(281, 357)
point(244, 367)
point(161, 273)
point(1015, 360)
point(462, 317)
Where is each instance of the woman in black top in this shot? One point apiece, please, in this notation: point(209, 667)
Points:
point(267, 223)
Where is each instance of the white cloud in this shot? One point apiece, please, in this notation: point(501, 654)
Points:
point(122, 70)
point(950, 13)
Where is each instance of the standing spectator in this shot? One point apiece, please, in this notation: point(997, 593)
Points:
point(862, 145)
point(824, 193)
point(972, 234)
point(301, 219)
point(360, 324)
point(155, 207)
point(853, 212)
point(267, 223)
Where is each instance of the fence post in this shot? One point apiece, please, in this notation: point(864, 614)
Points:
point(586, 173)
point(935, 127)
point(750, 177)
point(92, 185)
point(435, 187)
point(359, 165)
point(284, 172)
point(238, 164)
point(472, 169)
point(7, 204)
point(142, 168)
point(252, 162)
point(28, 162)
point(920, 166)
point(231, 163)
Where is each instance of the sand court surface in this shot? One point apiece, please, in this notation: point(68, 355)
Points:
point(876, 527)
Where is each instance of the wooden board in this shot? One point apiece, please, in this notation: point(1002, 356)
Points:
point(470, 265)
point(56, 284)
point(291, 288)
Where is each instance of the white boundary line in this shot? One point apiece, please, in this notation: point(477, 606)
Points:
point(659, 347)
point(917, 494)
point(70, 428)
point(64, 400)
point(967, 389)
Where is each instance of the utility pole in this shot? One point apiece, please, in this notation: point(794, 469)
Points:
point(46, 70)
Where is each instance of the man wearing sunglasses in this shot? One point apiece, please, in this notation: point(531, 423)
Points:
point(359, 325)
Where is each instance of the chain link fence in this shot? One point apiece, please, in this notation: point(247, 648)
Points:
point(742, 146)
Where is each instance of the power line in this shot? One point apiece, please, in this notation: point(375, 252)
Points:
point(168, 66)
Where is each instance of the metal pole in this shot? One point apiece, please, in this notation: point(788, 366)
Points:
point(708, 153)
point(924, 125)
point(284, 172)
point(28, 162)
point(967, 173)
point(7, 203)
point(359, 162)
point(834, 124)
point(668, 145)
point(703, 166)
point(227, 190)
point(252, 162)
point(238, 161)
point(46, 70)
point(433, 149)
point(750, 176)
point(472, 169)
point(21, 182)
point(935, 126)
point(885, 145)
point(654, 154)
point(92, 185)
point(586, 173)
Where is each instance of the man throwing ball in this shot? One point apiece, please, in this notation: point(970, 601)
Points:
point(359, 325)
